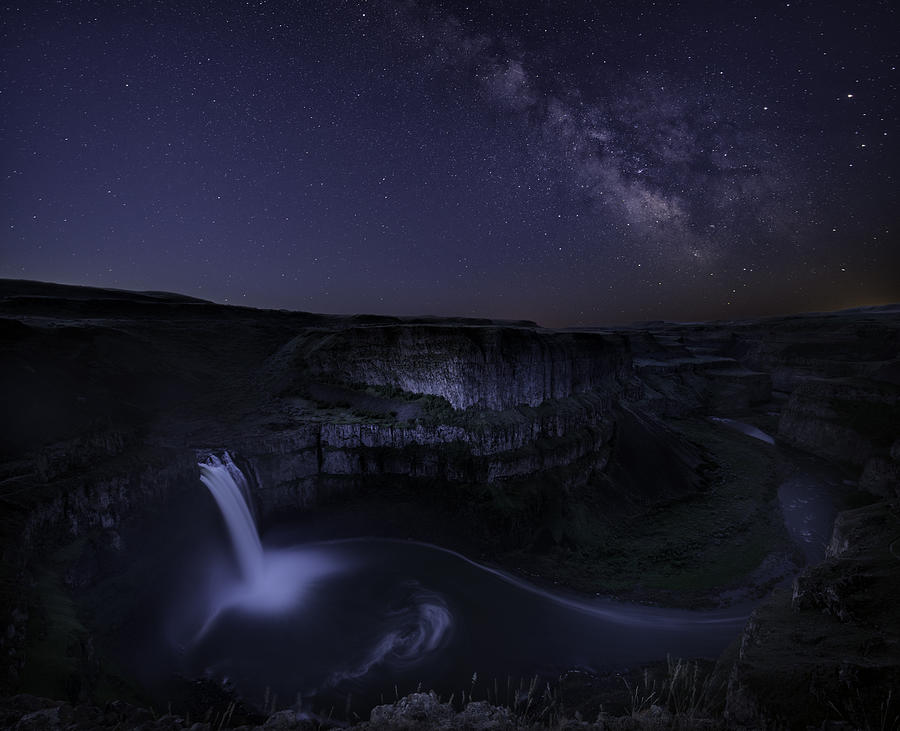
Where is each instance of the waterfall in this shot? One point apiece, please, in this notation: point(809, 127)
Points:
point(271, 580)
point(229, 488)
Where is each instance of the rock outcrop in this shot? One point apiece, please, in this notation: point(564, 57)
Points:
point(112, 397)
point(487, 367)
point(830, 649)
point(832, 380)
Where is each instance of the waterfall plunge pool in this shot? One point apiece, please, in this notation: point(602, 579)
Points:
point(368, 618)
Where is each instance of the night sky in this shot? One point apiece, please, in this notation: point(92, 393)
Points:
point(573, 163)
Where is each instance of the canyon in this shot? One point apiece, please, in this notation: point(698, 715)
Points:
point(597, 460)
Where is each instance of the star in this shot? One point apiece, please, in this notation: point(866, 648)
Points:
point(386, 151)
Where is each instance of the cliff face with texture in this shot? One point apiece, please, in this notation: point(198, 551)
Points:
point(828, 649)
point(112, 398)
point(290, 463)
point(487, 367)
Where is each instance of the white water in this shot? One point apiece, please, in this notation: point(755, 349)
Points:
point(275, 581)
point(367, 613)
point(414, 630)
point(749, 430)
point(612, 611)
point(271, 581)
point(273, 578)
point(227, 484)
point(363, 615)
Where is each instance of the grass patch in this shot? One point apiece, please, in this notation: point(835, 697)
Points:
point(55, 633)
point(66, 653)
point(686, 549)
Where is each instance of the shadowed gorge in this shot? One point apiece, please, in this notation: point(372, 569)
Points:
point(321, 518)
point(602, 432)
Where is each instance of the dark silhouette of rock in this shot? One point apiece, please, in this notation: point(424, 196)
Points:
point(523, 435)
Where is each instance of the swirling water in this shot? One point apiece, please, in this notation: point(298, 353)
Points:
point(363, 616)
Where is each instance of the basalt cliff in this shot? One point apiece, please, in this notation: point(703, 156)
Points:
point(591, 458)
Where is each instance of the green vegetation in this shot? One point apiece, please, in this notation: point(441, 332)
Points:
point(684, 550)
point(54, 655)
point(671, 694)
point(593, 537)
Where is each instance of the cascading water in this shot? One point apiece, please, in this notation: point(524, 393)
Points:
point(229, 488)
point(363, 615)
point(272, 599)
point(271, 581)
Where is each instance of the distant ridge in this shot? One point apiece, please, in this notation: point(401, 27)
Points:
point(22, 294)
point(20, 291)
point(32, 288)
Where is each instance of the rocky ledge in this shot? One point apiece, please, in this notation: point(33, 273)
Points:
point(829, 649)
point(557, 448)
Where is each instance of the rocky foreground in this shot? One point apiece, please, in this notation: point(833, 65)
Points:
point(550, 451)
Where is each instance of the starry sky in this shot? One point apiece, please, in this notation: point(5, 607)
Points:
point(570, 162)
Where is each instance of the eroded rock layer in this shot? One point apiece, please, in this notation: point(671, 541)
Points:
point(529, 438)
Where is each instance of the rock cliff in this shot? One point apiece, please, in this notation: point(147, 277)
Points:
point(527, 438)
point(487, 367)
point(830, 649)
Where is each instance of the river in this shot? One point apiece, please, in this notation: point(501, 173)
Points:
point(369, 614)
point(367, 618)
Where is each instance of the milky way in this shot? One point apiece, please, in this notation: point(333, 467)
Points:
point(575, 163)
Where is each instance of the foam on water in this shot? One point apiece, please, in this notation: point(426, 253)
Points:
point(359, 615)
point(270, 581)
point(417, 629)
point(275, 582)
point(229, 488)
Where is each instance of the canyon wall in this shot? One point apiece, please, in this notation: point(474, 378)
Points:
point(111, 402)
point(486, 367)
